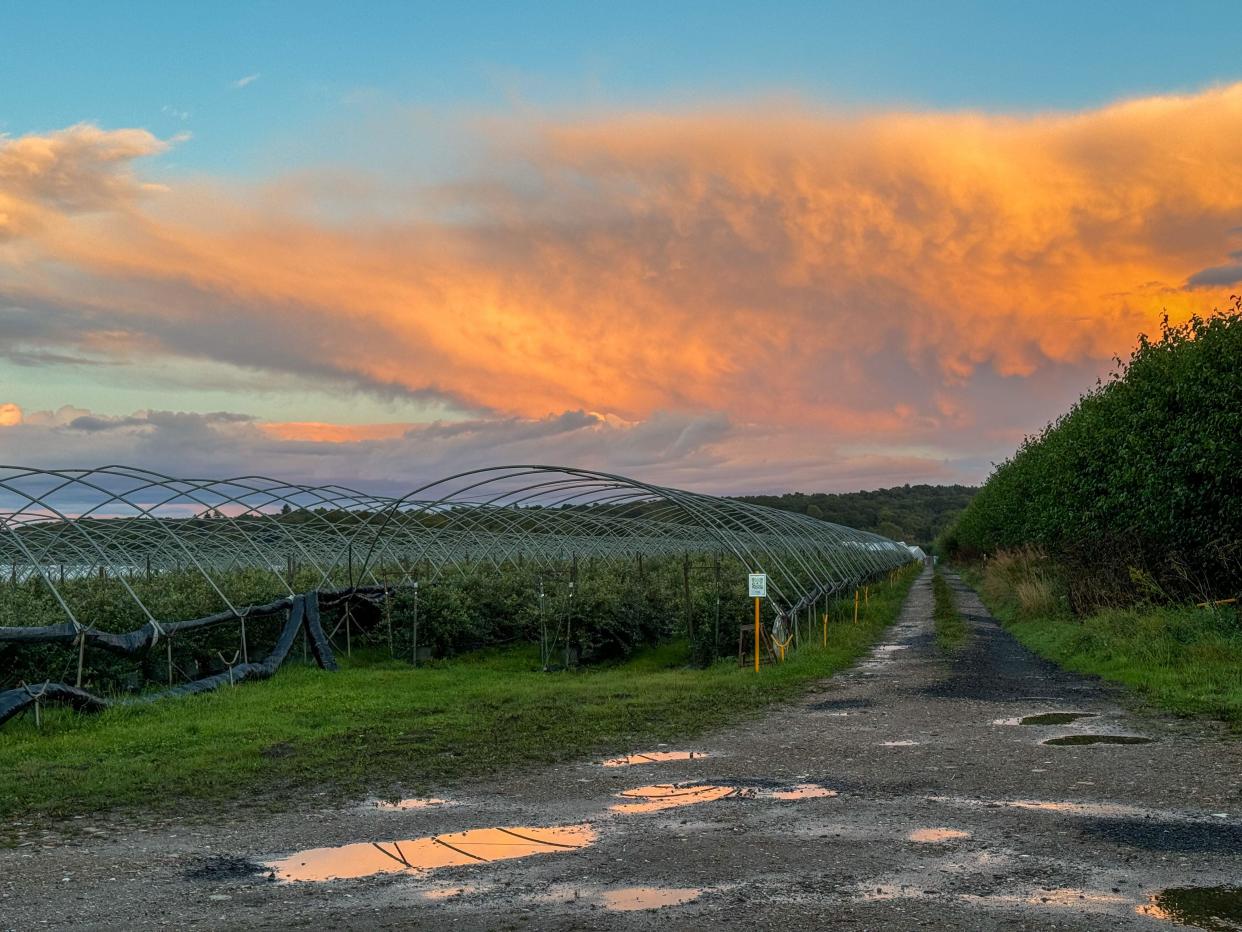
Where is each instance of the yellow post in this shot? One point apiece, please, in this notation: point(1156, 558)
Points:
point(855, 606)
point(756, 635)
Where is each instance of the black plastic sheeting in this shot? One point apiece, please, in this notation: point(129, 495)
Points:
point(303, 616)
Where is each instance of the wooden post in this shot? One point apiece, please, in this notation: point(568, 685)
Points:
point(685, 585)
point(855, 606)
point(414, 633)
point(81, 654)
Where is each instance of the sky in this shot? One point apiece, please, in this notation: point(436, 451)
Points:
point(730, 247)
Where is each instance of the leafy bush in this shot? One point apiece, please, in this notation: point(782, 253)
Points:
point(1140, 480)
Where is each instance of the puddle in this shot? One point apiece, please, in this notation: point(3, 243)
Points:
point(802, 791)
point(654, 757)
point(825, 705)
point(628, 899)
point(937, 835)
point(675, 795)
point(898, 744)
point(408, 805)
point(672, 796)
point(1216, 908)
point(1082, 809)
point(1077, 740)
point(1055, 718)
point(413, 855)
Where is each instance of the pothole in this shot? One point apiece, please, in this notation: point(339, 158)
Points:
point(1078, 740)
point(408, 805)
point(415, 855)
point(937, 835)
point(1216, 908)
point(653, 757)
point(1055, 718)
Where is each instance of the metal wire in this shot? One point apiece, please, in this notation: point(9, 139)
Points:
point(124, 522)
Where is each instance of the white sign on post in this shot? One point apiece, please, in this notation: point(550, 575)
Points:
point(758, 585)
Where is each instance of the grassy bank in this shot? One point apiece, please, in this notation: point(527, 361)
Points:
point(951, 631)
point(379, 726)
point(1185, 659)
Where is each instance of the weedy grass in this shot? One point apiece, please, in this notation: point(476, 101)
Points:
point(951, 630)
point(1185, 659)
point(380, 726)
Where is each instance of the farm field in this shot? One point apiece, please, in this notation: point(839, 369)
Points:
point(381, 726)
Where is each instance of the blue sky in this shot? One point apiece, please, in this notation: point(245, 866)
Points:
point(172, 67)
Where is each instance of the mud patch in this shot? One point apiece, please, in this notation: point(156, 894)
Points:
point(416, 855)
point(409, 805)
point(1158, 835)
point(1081, 740)
point(1055, 718)
point(1218, 909)
point(653, 757)
point(223, 867)
point(832, 705)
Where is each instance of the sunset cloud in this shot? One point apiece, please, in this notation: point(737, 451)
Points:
point(883, 279)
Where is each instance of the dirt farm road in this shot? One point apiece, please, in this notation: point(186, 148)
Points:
point(900, 794)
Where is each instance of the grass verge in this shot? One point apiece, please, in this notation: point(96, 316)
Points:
point(1184, 659)
point(380, 726)
point(951, 631)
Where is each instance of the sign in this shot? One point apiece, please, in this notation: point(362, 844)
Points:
point(758, 585)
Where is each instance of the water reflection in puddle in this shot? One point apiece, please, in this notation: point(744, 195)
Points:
point(675, 795)
point(937, 835)
point(408, 805)
point(622, 899)
point(1216, 908)
point(627, 899)
point(653, 757)
point(898, 744)
point(1078, 740)
point(420, 854)
point(802, 791)
point(671, 796)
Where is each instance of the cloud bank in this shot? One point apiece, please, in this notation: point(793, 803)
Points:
point(924, 286)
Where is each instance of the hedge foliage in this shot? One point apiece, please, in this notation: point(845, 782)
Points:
point(1137, 491)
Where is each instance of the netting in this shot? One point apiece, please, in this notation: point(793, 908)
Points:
point(121, 560)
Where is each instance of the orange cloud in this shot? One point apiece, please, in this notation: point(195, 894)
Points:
point(851, 273)
point(10, 415)
point(320, 432)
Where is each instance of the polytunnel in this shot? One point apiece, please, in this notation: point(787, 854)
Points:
point(252, 547)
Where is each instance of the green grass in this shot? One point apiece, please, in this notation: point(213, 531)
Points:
point(951, 631)
point(1186, 660)
point(380, 726)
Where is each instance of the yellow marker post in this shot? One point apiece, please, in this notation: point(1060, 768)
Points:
point(759, 590)
point(855, 606)
point(756, 634)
